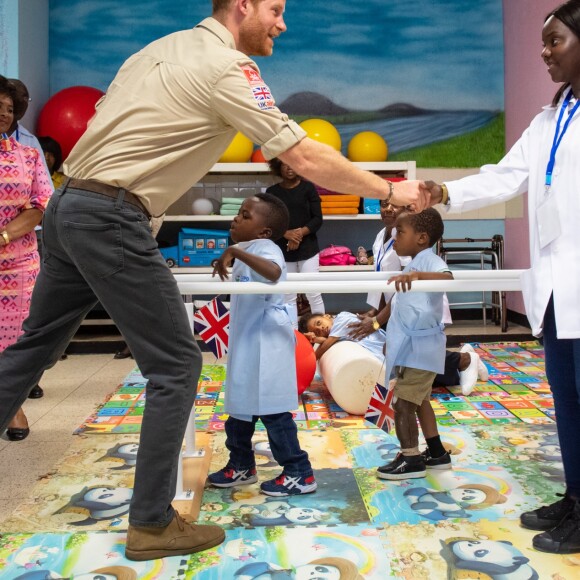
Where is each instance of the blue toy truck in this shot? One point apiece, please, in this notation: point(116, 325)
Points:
point(196, 247)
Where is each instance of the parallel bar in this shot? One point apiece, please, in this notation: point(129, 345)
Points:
point(367, 276)
point(344, 286)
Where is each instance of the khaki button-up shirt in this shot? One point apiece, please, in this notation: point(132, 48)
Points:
point(172, 111)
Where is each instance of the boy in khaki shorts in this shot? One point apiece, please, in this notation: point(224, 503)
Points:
point(415, 337)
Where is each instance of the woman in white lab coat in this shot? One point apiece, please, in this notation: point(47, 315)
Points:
point(545, 162)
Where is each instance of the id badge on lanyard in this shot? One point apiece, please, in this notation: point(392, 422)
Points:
point(549, 227)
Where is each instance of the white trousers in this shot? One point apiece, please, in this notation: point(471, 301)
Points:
point(315, 300)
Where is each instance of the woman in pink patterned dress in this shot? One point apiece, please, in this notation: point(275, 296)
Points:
point(25, 188)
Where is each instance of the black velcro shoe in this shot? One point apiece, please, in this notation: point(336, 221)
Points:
point(547, 517)
point(564, 538)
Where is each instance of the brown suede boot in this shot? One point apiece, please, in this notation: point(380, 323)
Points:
point(177, 539)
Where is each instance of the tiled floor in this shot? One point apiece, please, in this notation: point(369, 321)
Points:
point(73, 389)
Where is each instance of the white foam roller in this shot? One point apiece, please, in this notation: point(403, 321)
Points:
point(350, 373)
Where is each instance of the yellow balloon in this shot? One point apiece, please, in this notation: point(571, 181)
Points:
point(322, 131)
point(367, 146)
point(239, 150)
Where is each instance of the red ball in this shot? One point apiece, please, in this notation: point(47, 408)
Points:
point(65, 115)
point(305, 362)
point(258, 156)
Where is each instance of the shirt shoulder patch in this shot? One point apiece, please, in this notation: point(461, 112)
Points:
point(252, 75)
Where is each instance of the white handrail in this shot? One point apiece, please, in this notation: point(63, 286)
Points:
point(353, 285)
point(365, 276)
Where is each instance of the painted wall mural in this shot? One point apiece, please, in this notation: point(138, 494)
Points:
point(426, 75)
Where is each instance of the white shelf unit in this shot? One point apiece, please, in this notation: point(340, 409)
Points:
point(245, 179)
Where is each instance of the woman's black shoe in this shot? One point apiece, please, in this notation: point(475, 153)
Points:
point(123, 353)
point(17, 434)
point(36, 393)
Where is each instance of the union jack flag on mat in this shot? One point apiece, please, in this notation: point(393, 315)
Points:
point(380, 411)
point(212, 323)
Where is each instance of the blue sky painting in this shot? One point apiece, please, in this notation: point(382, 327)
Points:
point(444, 55)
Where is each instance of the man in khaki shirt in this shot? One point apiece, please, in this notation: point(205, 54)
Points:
point(167, 117)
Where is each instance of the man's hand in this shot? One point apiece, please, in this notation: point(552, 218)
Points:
point(415, 195)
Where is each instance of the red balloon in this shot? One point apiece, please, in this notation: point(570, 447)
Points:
point(258, 156)
point(305, 362)
point(65, 115)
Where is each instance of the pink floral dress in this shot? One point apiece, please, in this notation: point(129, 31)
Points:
point(24, 184)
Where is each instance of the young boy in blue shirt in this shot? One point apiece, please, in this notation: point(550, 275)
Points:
point(415, 337)
point(261, 375)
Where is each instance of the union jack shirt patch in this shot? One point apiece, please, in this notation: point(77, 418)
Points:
point(263, 96)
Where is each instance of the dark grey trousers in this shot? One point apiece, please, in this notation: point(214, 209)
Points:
point(100, 248)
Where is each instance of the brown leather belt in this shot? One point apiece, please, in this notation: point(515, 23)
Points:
point(108, 190)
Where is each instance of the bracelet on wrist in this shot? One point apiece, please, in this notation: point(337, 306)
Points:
point(391, 192)
point(6, 237)
point(444, 194)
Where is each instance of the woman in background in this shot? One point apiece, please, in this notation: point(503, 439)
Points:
point(25, 189)
point(299, 244)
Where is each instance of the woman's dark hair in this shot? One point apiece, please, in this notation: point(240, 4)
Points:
point(7, 88)
point(569, 14)
point(50, 145)
point(275, 166)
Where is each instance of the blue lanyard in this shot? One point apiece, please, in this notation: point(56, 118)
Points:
point(382, 254)
point(558, 135)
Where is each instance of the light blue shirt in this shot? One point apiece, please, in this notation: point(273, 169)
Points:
point(374, 342)
point(415, 336)
point(261, 369)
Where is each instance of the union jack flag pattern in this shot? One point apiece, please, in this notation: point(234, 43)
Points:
point(380, 411)
point(212, 323)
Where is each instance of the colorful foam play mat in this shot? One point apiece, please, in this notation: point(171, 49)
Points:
point(355, 526)
point(516, 391)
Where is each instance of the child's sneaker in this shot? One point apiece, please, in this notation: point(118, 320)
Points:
point(229, 477)
point(403, 467)
point(443, 462)
point(287, 485)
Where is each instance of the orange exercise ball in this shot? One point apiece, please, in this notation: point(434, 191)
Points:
point(65, 115)
point(322, 131)
point(305, 362)
point(258, 156)
point(367, 146)
point(238, 151)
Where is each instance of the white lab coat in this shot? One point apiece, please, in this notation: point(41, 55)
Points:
point(555, 268)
